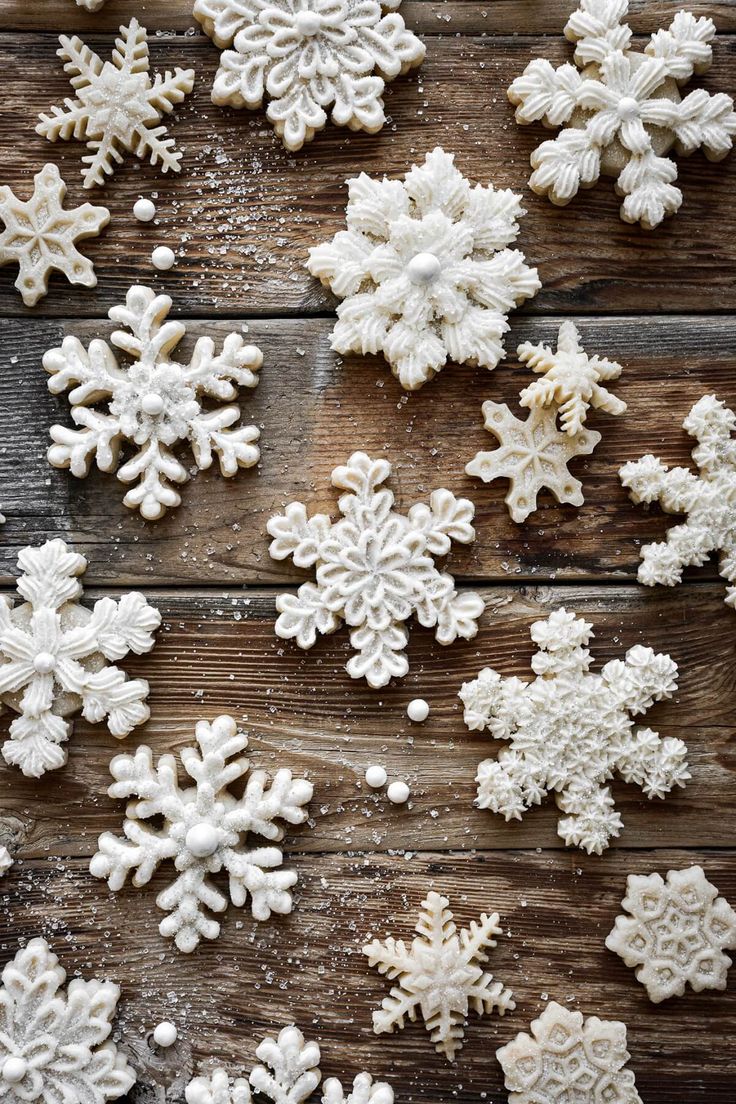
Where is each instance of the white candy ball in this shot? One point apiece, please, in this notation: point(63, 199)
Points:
point(197, 1092)
point(398, 793)
point(14, 1069)
point(144, 210)
point(417, 710)
point(202, 840)
point(163, 258)
point(376, 777)
point(164, 1034)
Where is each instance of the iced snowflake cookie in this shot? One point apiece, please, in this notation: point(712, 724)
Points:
point(624, 110)
point(307, 56)
point(117, 106)
point(154, 403)
point(52, 658)
point(205, 830)
point(41, 235)
point(708, 499)
point(288, 1073)
point(375, 569)
point(676, 933)
point(568, 1058)
point(571, 731)
point(440, 976)
point(55, 1045)
point(424, 270)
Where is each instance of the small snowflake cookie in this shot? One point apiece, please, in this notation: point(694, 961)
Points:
point(55, 1045)
point(708, 499)
point(41, 235)
point(676, 933)
point(117, 105)
point(205, 830)
point(624, 110)
point(424, 270)
point(568, 1058)
point(440, 976)
point(52, 658)
point(154, 403)
point(375, 569)
point(570, 731)
point(307, 56)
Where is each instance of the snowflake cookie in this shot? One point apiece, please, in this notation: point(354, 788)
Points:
point(375, 568)
point(308, 56)
point(154, 403)
point(288, 1074)
point(708, 499)
point(55, 1045)
point(570, 731)
point(624, 110)
point(117, 105)
point(440, 976)
point(52, 658)
point(424, 270)
point(568, 1059)
point(40, 235)
point(676, 933)
point(533, 454)
point(205, 830)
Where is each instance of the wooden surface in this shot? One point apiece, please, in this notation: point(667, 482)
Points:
point(242, 215)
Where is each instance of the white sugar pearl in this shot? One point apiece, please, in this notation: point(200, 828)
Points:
point(398, 793)
point(163, 258)
point(14, 1069)
point(423, 268)
point(376, 777)
point(417, 710)
point(144, 210)
point(202, 840)
point(197, 1093)
point(164, 1034)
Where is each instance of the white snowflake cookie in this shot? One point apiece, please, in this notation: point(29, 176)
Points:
point(154, 403)
point(41, 235)
point(624, 110)
point(307, 56)
point(570, 731)
point(375, 569)
point(568, 1058)
point(117, 106)
point(55, 1045)
point(52, 658)
point(708, 499)
point(676, 933)
point(425, 271)
point(205, 830)
point(440, 976)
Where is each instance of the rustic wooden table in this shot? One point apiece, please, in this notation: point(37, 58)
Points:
point(242, 214)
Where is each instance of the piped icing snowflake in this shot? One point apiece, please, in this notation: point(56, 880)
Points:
point(55, 1045)
point(569, 1059)
point(41, 235)
point(424, 270)
point(205, 829)
point(288, 1073)
point(375, 569)
point(154, 403)
point(570, 731)
point(308, 56)
point(708, 499)
point(52, 658)
point(624, 110)
point(117, 106)
point(440, 976)
point(676, 934)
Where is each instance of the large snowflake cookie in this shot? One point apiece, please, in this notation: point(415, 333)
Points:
point(676, 934)
point(288, 1073)
point(41, 235)
point(308, 56)
point(117, 105)
point(424, 270)
point(154, 403)
point(571, 731)
point(708, 499)
point(55, 1045)
point(567, 1058)
point(204, 829)
point(52, 658)
point(375, 569)
point(440, 976)
point(624, 110)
